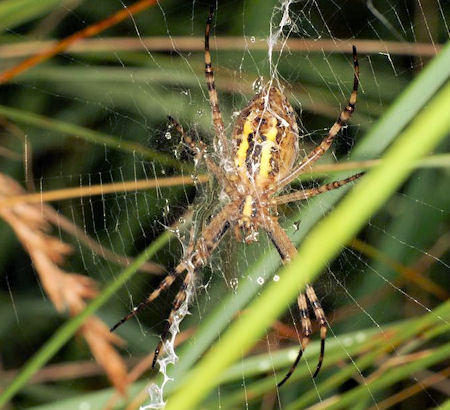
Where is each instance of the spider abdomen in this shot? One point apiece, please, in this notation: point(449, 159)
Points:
point(265, 139)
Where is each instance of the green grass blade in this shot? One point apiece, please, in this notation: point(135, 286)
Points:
point(403, 334)
point(87, 134)
point(15, 12)
point(394, 376)
point(444, 406)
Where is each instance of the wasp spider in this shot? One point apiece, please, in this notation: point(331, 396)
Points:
point(260, 161)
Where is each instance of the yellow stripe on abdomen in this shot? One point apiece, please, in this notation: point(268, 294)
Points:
point(248, 207)
point(241, 154)
point(266, 152)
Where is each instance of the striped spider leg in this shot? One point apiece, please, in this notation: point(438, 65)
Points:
point(281, 240)
point(195, 258)
point(342, 120)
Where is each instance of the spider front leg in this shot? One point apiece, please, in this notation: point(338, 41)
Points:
point(309, 193)
point(344, 116)
point(165, 284)
point(200, 151)
point(198, 148)
point(287, 252)
point(213, 98)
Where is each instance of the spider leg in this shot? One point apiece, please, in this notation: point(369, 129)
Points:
point(308, 193)
point(206, 244)
point(344, 116)
point(320, 317)
point(287, 252)
point(204, 247)
point(200, 151)
point(163, 285)
point(197, 147)
point(213, 98)
point(306, 332)
point(179, 299)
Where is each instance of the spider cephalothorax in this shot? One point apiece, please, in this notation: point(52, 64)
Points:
point(260, 161)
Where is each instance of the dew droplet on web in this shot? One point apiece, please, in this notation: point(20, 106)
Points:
point(84, 405)
point(264, 365)
point(234, 283)
point(348, 341)
point(257, 85)
point(166, 209)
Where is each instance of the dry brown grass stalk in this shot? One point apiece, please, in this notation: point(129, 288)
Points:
point(224, 43)
point(67, 291)
point(101, 189)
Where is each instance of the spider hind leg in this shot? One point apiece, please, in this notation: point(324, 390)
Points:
point(163, 285)
point(218, 124)
point(307, 330)
point(199, 149)
point(181, 297)
point(320, 317)
point(306, 333)
point(303, 194)
point(287, 252)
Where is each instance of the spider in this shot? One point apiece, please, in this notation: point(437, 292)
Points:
point(260, 162)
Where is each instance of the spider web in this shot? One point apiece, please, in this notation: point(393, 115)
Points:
point(151, 66)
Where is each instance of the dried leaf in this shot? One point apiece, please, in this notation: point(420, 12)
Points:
point(67, 291)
